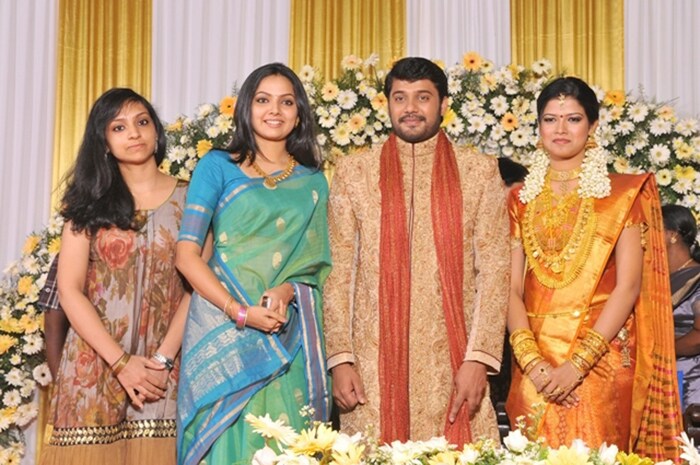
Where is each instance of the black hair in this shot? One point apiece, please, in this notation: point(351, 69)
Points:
point(511, 171)
point(680, 219)
point(414, 69)
point(96, 195)
point(570, 87)
point(301, 142)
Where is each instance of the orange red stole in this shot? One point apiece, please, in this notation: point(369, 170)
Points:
point(395, 285)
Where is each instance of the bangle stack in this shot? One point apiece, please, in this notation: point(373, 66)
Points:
point(229, 301)
point(121, 362)
point(525, 349)
point(242, 317)
point(167, 361)
point(589, 351)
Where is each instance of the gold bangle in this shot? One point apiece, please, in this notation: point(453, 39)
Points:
point(226, 305)
point(121, 362)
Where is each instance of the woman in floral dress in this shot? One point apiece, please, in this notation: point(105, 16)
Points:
point(113, 401)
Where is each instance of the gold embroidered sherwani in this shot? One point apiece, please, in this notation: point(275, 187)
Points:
point(351, 307)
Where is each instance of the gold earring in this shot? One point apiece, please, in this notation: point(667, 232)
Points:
point(673, 240)
point(591, 143)
point(539, 145)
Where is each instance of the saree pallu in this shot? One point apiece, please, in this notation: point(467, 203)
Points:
point(262, 238)
point(630, 398)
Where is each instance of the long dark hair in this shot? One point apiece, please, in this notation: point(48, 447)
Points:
point(301, 142)
point(96, 195)
point(679, 219)
point(570, 87)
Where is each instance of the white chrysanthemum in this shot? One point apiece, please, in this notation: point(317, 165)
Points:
point(184, 174)
point(350, 62)
point(542, 66)
point(660, 126)
point(25, 414)
point(321, 111)
point(687, 127)
point(42, 374)
point(476, 124)
point(383, 116)
point(690, 453)
point(30, 264)
point(516, 441)
point(347, 99)
point(341, 135)
point(270, 429)
point(454, 86)
point(682, 186)
point(307, 73)
point(372, 59)
point(213, 131)
point(224, 123)
point(624, 128)
point(497, 132)
point(327, 121)
point(177, 154)
point(637, 112)
point(370, 93)
point(190, 164)
point(659, 155)
point(499, 105)
point(520, 137)
point(334, 111)
point(15, 359)
point(27, 388)
point(358, 140)
point(32, 344)
point(599, 92)
point(12, 398)
point(321, 139)
point(15, 377)
point(690, 200)
point(204, 110)
point(608, 454)
point(455, 127)
point(185, 139)
point(264, 456)
point(664, 177)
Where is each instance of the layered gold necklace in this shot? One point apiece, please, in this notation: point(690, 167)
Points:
point(556, 257)
point(270, 182)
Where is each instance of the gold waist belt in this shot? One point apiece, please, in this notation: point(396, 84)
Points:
point(108, 434)
point(572, 313)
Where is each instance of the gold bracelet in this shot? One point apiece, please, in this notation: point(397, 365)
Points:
point(121, 362)
point(226, 305)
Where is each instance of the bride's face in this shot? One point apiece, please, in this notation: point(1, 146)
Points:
point(564, 129)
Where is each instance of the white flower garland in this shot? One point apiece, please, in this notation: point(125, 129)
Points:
point(593, 180)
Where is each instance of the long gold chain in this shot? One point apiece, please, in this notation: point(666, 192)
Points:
point(558, 267)
point(270, 182)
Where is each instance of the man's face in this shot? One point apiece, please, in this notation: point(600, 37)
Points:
point(415, 109)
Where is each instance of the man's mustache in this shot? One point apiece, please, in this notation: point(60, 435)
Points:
point(412, 116)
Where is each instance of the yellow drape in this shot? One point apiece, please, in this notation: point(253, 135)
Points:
point(580, 37)
point(322, 32)
point(100, 45)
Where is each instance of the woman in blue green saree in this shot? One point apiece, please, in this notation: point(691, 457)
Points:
point(262, 202)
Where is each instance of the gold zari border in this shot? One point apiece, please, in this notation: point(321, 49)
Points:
point(108, 434)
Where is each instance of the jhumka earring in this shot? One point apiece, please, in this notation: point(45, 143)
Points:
point(539, 145)
point(673, 240)
point(591, 143)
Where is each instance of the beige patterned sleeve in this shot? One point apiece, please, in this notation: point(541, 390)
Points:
point(338, 289)
point(492, 266)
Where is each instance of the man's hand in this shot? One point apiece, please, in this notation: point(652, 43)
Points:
point(348, 390)
point(470, 386)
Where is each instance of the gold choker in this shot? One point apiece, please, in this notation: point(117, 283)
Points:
point(566, 175)
point(270, 182)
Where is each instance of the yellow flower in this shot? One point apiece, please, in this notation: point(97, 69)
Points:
point(566, 456)
point(24, 285)
point(667, 112)
point(448, 117)
point(54, 245)
point(444, 458)
point(379, 101)
point(684, 151)
point(176, 126)
point(329, 91)
point(165, 166)
point(440, 63)
point(6, 342)
point(357, 123)
point(614, 97)
point(509, 121)
point(227, 105)
point(29, 324)
point(472, 61)
point(353, 456)
point(684, 172)
point(203, 146)
point(632, 459)
point(268, 428)
point(30, 244)
point(314, 440)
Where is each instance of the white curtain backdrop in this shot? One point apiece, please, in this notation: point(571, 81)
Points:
point(202, 48)
point(27, 89)
point(662, 52)
point(447, 29)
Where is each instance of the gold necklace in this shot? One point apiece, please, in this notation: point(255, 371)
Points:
point(270, 182)
point(565, 175)
point(686, 263)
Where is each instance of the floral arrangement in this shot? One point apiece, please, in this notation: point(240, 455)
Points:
point(22, 360)
point(318, 444)
point(491, 109)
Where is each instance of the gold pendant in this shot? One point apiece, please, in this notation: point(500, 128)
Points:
point(270, 184)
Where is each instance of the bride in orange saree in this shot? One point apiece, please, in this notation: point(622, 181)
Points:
point(590, 317)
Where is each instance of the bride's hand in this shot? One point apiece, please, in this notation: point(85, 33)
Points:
point(265, 320)
point(278, 298)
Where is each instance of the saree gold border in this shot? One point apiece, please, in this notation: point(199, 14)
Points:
point(131, 429)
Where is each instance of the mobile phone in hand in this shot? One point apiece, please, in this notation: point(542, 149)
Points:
point(266, 301)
